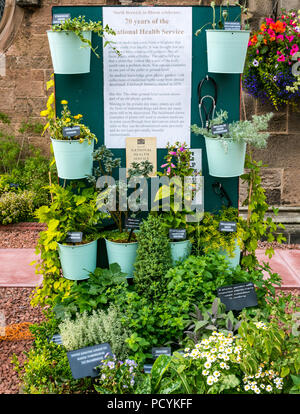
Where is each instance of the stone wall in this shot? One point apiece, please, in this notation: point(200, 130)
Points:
point(28, 66)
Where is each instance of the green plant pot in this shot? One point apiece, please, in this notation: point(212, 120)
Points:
point(233, 261)
point(78, 261)
point(222, 162)
point(226, 50)
point(74, 160)
point(122, 253)
point(69, 54)
point(180, 250)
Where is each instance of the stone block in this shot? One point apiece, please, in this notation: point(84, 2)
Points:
point(7, 100)
point(273, 196)
point(291, 187)
point(271, 178)
point(293, 121)
point(283, 151)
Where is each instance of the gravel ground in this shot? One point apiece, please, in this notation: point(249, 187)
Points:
point(15, 304)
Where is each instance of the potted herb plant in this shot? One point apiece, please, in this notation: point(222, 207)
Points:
point(174, 213)
point(208, 236)
point(72, 212)
point(226, 153)
point(226, 49)
point(121, 244)
point(72, 142)
point(71, 44)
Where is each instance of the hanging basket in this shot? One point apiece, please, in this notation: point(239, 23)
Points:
point(74, 160)
point(180, 250)
point(122, 253)
point(226, 161)
point(226, 50)
point(77, 261)
point(69, 54)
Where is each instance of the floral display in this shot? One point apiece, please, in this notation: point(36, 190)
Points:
point(270, 73)
point(116, 376)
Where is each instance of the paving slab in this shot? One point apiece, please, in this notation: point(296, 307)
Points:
point(15, 268)
point(286, 263)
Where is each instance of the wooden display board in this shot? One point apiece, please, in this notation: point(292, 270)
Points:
point(85, 92)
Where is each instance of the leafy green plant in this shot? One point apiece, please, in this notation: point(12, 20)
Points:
point(9, 152)
point(56, 124)
point(266, 343)
point(153, 257)
point(216, 319)
point(208, 237)
point(116, 377)
point(256, 226)
point(224, 14)
point(103, 287)
point(78, 25)
point(46, 369)
point(98, 327)
point(106, 164)
point(69, 211)
point(251, 132)
point(176, 196)
point(16, 207)
point(211, 367)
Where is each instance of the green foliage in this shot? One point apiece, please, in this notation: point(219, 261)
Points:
point(257, 226)
point(153, 258)
point(207, 236)
point(79, 25)
point(176, 196)
point(46, 368)
point(56, 124)
point(270, 345)
point(211, 367)
point(98, 327)
point(16, 207)
point(103, 287)
point(33, 175)
point(250, 132)
point(69, 211)
point(109, 196)
point(9, 152)
point(215, 319)
point(117, 377)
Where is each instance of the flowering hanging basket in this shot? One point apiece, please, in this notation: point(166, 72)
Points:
point(272, 67)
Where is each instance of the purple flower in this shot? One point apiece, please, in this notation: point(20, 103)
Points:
point(164, 165)
point(172, 153)
point(255, 63)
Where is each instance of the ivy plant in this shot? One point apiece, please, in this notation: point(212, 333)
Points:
point(78, 25)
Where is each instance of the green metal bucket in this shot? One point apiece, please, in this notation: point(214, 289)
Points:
point(69, 54)
point(74, 160)
point(122, 253)
point(180, 250)
point(226, 50)
point(78, 261)
point(226, 161)
point(233, 261)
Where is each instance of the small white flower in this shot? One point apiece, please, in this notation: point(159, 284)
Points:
point(216, 374)
point(269, 388)
point(210, 380)
point(207, 365)
point(246, 387)
point(205, 372)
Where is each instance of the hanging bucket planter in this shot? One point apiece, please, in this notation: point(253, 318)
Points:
point(122, 253)
point(226, 50)
point(235, 260)
point(74, 160)
point(69, 54)
point(180, 250)
point(225, 159)
point(77, 261)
